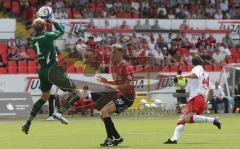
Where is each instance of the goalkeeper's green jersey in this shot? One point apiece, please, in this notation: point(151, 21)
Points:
point(44, 47)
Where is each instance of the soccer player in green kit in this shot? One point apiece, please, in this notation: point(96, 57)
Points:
point(50, 72)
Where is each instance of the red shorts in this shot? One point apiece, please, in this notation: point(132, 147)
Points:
point(196, 105)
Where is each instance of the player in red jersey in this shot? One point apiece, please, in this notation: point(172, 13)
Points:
point(199, 88)
point(122, 83)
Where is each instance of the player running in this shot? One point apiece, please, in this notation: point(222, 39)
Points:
point(50, 72)
point(123, 84)
point(196, 104)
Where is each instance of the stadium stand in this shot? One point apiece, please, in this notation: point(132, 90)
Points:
point(170, 61)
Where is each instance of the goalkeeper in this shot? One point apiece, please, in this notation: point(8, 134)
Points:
point(50, 72)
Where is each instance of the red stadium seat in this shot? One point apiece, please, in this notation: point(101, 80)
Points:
point(237, 60)
point(189, 68)
point(3, 70)
point(156, 69)
point(12, 70)
point(134, 15)
point(32, 70)
point(174, 68)
point(3, 48)
point(32, 64)
point(130, 69)
point(234, 50)
point(15, 7)
point(4, 58)
point(22, 64)
point(235, 56)
point(148, 69)
point(208, 68)
point(184, 51)
point(12, 64)
point(166, 69)
point(22, 70)
point(230, 60)
point(217, 67)
point(7, 4)
point(138, 68)
point(183, 68)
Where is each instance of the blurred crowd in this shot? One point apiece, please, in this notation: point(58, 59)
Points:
point(154, 50)
point(171, 9)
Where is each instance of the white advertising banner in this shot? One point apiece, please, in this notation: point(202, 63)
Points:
point(8, 28)
point(144, 82)
point(79, 25)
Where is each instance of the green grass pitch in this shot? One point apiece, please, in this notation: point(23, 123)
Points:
point(139, 133)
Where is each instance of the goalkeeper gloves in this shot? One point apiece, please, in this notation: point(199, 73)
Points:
point(52, 18)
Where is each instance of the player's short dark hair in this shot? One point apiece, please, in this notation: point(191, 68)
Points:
point(197, 60)
point(39, 25)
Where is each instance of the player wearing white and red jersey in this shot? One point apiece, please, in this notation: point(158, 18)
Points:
point(196, 104)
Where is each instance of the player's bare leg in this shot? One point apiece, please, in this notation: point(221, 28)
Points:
point(36, 108)
point(190, 118)
point(113, 137)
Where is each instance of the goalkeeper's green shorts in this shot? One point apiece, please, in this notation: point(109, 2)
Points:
point(56, 75)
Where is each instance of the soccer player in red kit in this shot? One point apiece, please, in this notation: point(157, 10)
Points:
point(122, 83)
point(199, 88)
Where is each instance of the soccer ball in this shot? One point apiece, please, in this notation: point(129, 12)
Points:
point(44, 13)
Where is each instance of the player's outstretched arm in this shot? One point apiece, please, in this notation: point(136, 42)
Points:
point(190, 75)
point(104, 80)
point(166, 75)
point(59, 29)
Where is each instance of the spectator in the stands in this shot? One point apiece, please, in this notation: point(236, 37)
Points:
point(59, 4)
point(224, 5)
point(217, 57)
point(11, 44)
point(181, 14)
point(124, 25)
point(218, 97)
point(60, 13)
point(86, 101)
point(155, 26)
point(218, 15)
point(202, 40)
point(146, 25)
point(20, 41)
point(224, 50)
point(81, 48)
point(13, 54)
point(138, 25)
point(206, 57)
point(228, 40)
point(171, 14)
point(118, 5)
point(211, 41)
point(2, 64)
point(91, 24)
point(22, 55)
point(107, 24)
point(71, 42)
point(126, 6)
point(184, 25)
point(178, 40)
point(169, 39)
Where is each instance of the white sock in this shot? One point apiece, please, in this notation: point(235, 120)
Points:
point(178, 131)
point(202, 119)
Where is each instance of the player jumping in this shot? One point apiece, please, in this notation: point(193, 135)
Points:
point(122, 83)
point(50, 72)
point(196, 105)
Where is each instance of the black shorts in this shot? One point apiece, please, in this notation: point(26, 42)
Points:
point(122, 103)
